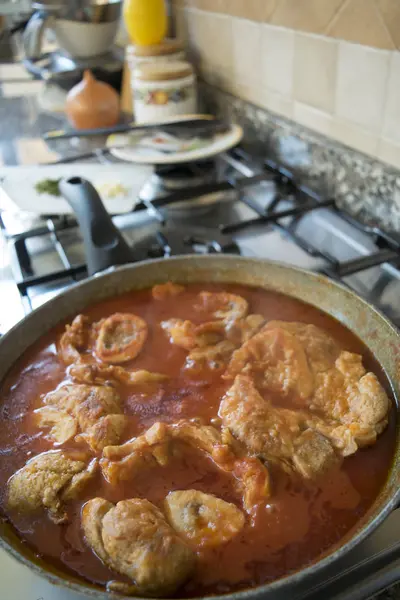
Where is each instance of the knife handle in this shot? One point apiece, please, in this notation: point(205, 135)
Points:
point(185, 120)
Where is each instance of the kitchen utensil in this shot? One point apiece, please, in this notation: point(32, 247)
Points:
point(192, 123)
point(206, 148)
point(368, 324)
point(17, 186)
point(83, 29)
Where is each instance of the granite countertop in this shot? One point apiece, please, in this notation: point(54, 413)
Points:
point(24, 119)
point(28, 109)
point(365, 187)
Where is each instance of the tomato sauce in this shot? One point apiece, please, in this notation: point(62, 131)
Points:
point(301, 520)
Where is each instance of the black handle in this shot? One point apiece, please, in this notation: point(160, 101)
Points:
point(104, 244)
point(194, 126)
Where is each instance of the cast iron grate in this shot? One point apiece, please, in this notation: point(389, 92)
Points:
point(170, 240)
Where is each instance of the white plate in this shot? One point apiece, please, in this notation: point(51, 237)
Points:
point(18, 193)
point(148, 155)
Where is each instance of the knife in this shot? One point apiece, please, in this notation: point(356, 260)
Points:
point(98, 152)
point(187, 123)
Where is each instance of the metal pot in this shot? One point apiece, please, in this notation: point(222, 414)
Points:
point(87, 11)
point(376, 332)
point(83, 29)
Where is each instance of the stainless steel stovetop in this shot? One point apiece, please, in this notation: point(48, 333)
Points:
point(270, 218)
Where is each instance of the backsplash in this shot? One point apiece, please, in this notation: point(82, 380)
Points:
point(361, 185)
point(370, 22)
point(330, 65)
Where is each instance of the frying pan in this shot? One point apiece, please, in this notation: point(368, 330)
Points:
point(106, 247)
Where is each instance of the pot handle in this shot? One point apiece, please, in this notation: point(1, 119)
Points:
point(104, 245)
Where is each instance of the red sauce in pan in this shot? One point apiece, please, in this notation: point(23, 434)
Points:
point(302, 519)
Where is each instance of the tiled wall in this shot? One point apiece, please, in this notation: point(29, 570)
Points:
point(293, 57)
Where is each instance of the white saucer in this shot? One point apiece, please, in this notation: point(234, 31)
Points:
point(148, 155)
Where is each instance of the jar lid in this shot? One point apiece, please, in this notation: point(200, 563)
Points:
point(163, 71)
point(168, 46)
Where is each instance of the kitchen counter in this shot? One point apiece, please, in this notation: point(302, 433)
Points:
point(23, 122)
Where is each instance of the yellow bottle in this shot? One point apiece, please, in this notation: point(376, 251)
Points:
point(146, 21)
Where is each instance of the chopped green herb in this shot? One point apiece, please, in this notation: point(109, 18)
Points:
point(48, 186)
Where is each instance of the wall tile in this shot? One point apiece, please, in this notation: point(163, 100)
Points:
point(196, 34)
point(277, 47)
point(218, 77)
point(360, 21)
point(313, 118)
point(354, 136)
point(217, 40)
point(390, 11)
point(209, 5)
point(256, 10)
point(391, 121)
point(181, 23)
point(343, 90)
point(361, 84)
point(305, 15)
point(389, 152)
point(372, 22)
point(246, 51)
point(250, 93)
point(315, 66)
point(277, 103)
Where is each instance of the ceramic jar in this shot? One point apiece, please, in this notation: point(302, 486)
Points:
point(163, 90)
point(167, 51)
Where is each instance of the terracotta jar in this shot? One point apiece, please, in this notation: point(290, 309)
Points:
point(92, 104)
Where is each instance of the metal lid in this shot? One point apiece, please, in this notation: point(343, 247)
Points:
point(167, 47)
point(165, 71)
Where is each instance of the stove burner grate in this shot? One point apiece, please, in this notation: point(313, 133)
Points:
point(173, 238)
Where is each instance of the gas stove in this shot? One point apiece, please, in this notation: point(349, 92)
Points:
point(237, 204)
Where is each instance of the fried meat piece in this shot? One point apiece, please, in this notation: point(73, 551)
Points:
point(134, 539)
point(48, 481)
point(203, 519)
point(120, 338)
point(276, 434)
point(156, 446)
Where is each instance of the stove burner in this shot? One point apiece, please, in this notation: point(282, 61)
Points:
point(170, 178)
point(170, 240)
point(173, 241)
point(285, 204)
point(179, 177)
